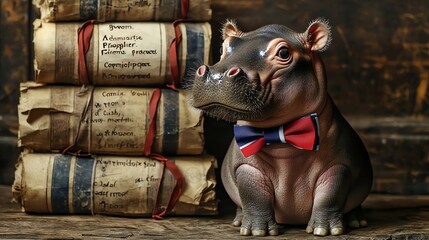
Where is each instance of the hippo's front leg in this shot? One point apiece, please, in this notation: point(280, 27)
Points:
point(257, 195)
point(330, 196)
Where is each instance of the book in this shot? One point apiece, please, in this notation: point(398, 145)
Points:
point(108, 120)
point(113, 185)
point(119, 53)
point(123, 10)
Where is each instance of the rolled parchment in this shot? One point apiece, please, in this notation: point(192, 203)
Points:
point(107, 120)
point(138, 54)
point(113, 185)
point(124, 10)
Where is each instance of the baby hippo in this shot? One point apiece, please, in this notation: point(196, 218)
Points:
point(294, 159)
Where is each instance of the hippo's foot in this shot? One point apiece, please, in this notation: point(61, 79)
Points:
point(326, 223)
point(238, 218)
point(334, 223)
point(255, 225)
point(356, 219)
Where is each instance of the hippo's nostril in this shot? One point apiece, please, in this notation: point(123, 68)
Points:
point(201, 70)
point(233, 71)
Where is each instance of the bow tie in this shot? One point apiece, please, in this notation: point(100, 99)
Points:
point(302, 133)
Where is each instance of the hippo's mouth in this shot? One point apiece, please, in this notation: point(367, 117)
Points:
point(229, 113)
point(210, 106)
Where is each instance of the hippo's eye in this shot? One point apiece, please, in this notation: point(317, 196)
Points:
point(283, 53)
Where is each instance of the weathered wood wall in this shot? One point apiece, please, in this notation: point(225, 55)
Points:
point(378, 61)
point(14, 68)
point(378, 71)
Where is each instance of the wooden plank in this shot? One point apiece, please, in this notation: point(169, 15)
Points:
point(397, 146)
point(409, 223)
point(390, 201)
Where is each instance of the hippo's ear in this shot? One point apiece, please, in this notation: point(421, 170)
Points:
point(230, 29)
point(318, 35)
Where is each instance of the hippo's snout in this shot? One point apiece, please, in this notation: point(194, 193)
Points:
point(228, 93)
point(229, 75)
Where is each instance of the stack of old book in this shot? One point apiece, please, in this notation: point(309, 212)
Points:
point(105, 127)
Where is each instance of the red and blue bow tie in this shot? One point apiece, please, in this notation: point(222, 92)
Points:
point(302, 133)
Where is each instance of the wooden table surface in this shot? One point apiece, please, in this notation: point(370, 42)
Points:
point(389, 217)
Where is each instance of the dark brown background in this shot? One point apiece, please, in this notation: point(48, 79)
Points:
point(14, 67)
point(377, 69)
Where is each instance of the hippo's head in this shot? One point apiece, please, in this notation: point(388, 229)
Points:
point(269, 76)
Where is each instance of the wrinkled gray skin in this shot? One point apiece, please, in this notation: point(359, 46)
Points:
point(269, 77)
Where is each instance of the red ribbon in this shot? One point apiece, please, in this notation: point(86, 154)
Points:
point(184, 9)
point(174, 63)
point(84, 40)
point(153, 106)
point(177, 188)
